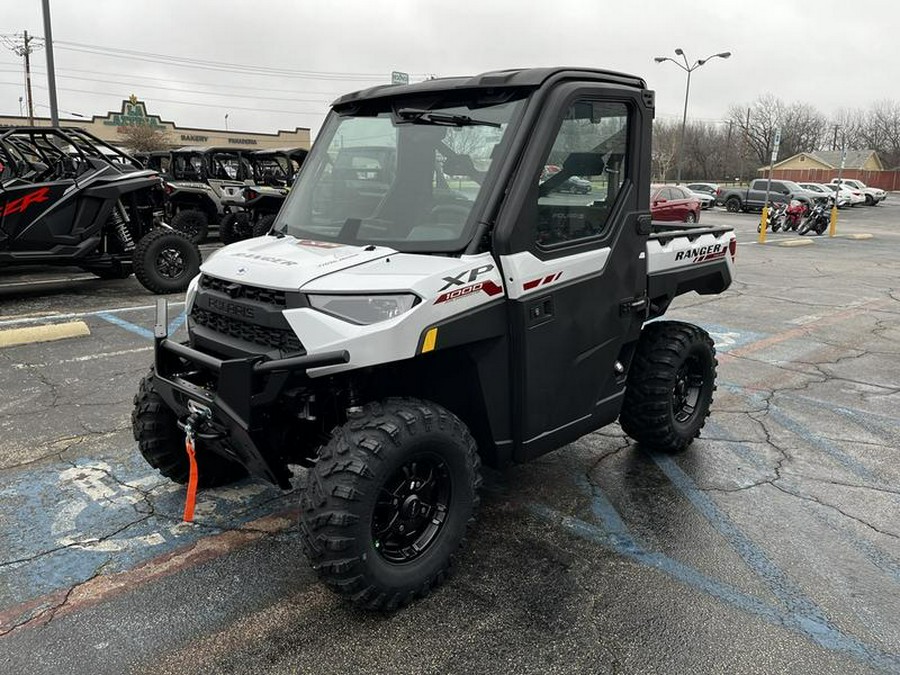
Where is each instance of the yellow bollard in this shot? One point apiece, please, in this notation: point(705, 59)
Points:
point(762, 224)
point(832, 227)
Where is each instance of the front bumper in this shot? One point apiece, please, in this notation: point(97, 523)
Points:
point(244, 386)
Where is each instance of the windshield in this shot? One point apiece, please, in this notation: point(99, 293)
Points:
point(402, 177)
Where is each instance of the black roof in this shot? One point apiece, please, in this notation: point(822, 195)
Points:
point(495, 79)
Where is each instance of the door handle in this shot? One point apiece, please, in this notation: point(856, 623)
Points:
point(539, 311)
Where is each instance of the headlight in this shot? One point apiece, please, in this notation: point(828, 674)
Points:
point(364, 309)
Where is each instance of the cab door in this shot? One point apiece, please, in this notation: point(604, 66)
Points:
point(574, 265)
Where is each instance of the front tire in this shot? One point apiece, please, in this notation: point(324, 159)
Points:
point(165, 261)
point(386, 507)
point(235, 227)
point(263, 225)
point(161, 442)
point(690, 218)
point(192, 223)
point(670, 386)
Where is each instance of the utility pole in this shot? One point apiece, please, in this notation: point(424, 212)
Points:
point(23, 48)
point(26, 52)
point(51, 70)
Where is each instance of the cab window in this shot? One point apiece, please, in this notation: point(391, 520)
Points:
point(582, 174)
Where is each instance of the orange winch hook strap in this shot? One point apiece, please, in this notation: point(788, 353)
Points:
point(192, 480)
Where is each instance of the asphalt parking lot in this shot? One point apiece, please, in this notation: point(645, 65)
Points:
point(771, 545)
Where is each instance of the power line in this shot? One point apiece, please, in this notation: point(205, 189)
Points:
point(218, 66)
point(202, 105)
point(334, 93)
point(132, 84)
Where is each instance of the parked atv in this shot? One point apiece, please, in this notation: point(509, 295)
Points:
point(425, 303)
point(252, 215)
point(69, 198)
point(203, 185)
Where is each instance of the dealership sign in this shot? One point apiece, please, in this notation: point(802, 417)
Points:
point(134, 114)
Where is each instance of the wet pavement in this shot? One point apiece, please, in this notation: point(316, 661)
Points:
point(771, 545)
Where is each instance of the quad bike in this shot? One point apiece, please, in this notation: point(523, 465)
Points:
point(392, 333)
point(252, 215)
point(203, 185)
point(69, 198)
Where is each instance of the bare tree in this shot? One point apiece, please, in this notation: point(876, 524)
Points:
point(665, 148)
point(757, 123)
point(803, 129)
point(881, 130)
point(143, 138)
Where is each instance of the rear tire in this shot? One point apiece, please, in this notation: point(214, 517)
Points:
point(670, 386)
point(165, 261)
point(386, 506)
point(192, 223)
point(263, 225)
point(161, 442)
point(235, 227)
point(733, 204)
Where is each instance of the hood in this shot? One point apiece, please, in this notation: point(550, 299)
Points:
point(286, 263)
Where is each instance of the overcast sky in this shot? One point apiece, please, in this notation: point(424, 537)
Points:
point(829, 54)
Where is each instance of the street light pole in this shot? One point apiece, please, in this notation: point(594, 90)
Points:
point(51, 69)
point(687, 68)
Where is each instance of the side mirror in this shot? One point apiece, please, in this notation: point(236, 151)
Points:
point(584, 164)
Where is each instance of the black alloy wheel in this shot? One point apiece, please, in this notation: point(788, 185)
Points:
point(687, 390)
point(411, 509)
point(170, 263)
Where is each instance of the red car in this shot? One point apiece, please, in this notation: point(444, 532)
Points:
point(671, 202)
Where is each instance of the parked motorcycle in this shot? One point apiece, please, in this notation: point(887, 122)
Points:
point(775, 218)
point(817, 220)
point(793, 215)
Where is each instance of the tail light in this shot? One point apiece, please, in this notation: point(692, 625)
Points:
point(732, 248)
point(250, 193)
point(718, 191)
point(168, 188)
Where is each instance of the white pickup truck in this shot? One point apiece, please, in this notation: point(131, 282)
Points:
point(872, 195)
point(409, 318)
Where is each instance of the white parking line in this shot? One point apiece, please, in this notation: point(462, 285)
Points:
point(78, 359)
point(80, 315)
point(47, 282)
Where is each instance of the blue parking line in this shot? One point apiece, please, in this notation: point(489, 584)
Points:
point(822, 634)
point(127, 325)
point(850, 463)
point(777, 581)
point(174, 325)
point(878, 558)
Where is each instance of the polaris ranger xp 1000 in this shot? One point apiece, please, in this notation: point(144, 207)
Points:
point(434, 305)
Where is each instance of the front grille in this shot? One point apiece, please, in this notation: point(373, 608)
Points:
point(277, 338)
point(238, 291)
